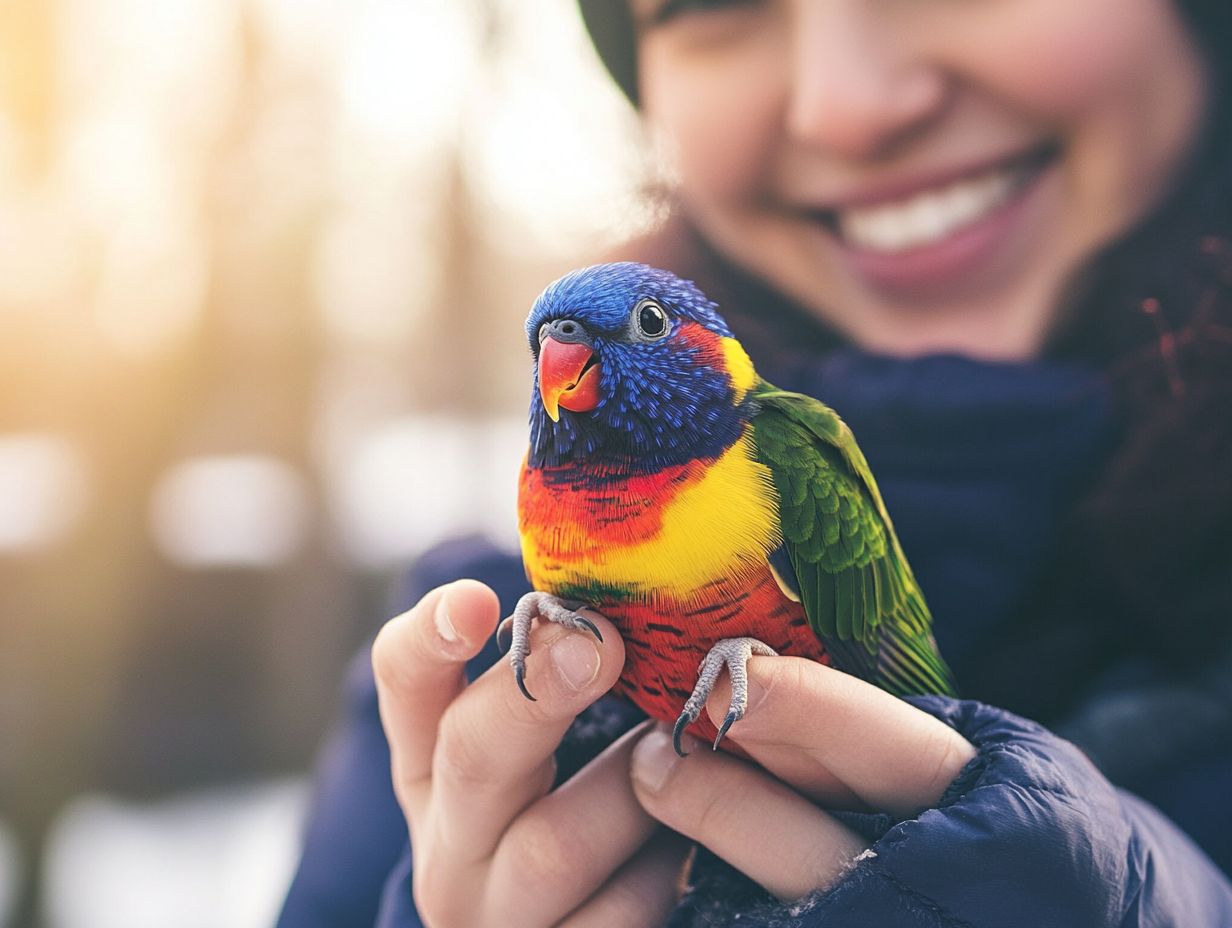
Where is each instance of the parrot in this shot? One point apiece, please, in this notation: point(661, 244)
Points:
point(709, 515)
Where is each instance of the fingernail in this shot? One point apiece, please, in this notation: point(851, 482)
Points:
point(444, 624)
point(576, 659)
point(654, 758)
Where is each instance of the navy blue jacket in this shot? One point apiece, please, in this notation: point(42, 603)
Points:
point(978, 464)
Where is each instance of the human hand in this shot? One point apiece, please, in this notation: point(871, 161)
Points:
point(472, 768)
point(820, 737)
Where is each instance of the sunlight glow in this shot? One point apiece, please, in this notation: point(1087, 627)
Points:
point(151, 287)
point(556, 152)
point(404, 74)
point(372, 278)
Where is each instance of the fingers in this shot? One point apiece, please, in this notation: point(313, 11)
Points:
point(561, 849)
point(643, 893)
point(495, 748)
point(418, 660)
point(756, 823)
point(832, 735)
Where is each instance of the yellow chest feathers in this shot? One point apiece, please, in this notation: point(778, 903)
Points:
point(670, 533)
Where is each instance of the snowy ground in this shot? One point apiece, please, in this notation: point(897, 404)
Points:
point(219, 859)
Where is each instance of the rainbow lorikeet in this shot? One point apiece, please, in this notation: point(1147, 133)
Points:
point(709, 515)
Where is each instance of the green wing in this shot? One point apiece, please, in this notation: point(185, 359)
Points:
point(850, 574)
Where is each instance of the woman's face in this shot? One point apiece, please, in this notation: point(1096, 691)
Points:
point(925, 174)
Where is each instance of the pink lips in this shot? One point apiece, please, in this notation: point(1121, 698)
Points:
point(936, 265)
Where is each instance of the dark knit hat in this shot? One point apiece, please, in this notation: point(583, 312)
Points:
point(615, 39)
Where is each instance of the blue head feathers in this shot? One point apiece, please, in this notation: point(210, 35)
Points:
point(606, 293)
point(630, 374)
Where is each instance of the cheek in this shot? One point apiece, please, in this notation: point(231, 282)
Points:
point(1069, 60)
point(1121, 81)
point(720, 120)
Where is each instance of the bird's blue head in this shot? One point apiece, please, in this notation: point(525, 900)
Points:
point(635, 370)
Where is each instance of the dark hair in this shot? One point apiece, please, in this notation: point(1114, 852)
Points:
point(1210, 22)
point(615, 39)
point(1149, 551)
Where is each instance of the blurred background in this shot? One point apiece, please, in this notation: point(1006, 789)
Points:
point(263, 269)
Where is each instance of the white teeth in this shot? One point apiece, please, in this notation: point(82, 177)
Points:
point(927, 217)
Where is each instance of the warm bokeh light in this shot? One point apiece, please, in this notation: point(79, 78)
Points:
point(42, 491)
point(232, 511)
point(409, 484)
point(263, 268)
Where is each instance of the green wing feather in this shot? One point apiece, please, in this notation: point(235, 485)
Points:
point(857, 589)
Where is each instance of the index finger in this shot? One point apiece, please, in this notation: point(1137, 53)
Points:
point(418, 660)
point(495, 753)
point(834, 736)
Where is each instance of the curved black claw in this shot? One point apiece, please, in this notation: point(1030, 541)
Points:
point(590, 627)
point(519, 673)
point(681, 724)
point(731, 716)
point(504, 635)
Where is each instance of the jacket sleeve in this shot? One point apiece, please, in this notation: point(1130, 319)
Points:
point(1164, 736)
point(1029, 834)
point(355, 831)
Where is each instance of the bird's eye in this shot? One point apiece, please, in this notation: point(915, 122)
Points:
point(650, 319)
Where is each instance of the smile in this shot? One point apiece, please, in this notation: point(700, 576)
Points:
point(930, 216)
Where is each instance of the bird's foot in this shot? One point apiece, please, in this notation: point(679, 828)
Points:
point(735, 653)
point(513, 635)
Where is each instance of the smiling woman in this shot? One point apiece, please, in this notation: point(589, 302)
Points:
point(924, 176)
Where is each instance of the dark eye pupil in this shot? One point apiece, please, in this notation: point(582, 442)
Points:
point(651, 320)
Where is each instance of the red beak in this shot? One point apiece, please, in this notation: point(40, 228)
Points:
point(567, 378)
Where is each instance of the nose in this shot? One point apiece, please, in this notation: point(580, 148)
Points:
point(860, 86)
